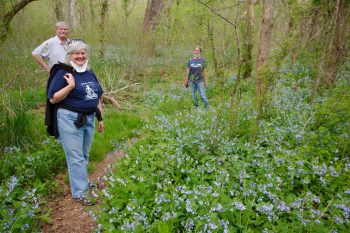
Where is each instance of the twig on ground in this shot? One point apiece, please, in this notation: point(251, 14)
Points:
point(108, 99)
point(123, 88)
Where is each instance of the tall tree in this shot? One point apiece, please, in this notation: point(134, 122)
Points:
point(264, 45)
point(342, 15)
point(92, 12)
point(333, 36)
point(247, 41)
point(57, 4)
point(212, 46)
point(103, 13)
point(6, 15)
point(154, 8)
point(72, 16)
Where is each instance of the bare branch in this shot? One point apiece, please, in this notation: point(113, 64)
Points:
point(123, 88)
point(221, 16)
point(111, 100)
point(8, 16)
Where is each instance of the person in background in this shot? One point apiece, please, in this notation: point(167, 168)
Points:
point(53, 49)
point(196, 76)
point(77, 97)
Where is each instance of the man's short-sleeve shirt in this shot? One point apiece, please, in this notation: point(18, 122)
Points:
point(53, 50)
point(196, 66)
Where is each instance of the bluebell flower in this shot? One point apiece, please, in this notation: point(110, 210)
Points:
point(46, 142)
point(12, 183)
point(283, 207)
point(239, 205)
point(25, 227)
point(31, 214)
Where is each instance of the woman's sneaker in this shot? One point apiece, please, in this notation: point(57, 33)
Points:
point(93, 185)
point(85, 201)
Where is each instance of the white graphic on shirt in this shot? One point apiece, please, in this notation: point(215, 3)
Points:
point(196, 65)
point(90, 94)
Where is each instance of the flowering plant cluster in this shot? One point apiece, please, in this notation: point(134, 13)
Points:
point(25, 179)
point(194, 172)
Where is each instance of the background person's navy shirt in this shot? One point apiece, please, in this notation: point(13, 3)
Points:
point(86, 93)
point(196, 68)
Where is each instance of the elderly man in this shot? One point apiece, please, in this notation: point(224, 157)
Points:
point(53, 49)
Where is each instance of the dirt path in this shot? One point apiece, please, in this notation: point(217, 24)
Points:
point(69, 216)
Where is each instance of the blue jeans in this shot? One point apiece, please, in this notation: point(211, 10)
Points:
point(201, 89)
point(76, 144)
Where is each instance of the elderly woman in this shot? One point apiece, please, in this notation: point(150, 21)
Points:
point(77, 97)
point(197, 77)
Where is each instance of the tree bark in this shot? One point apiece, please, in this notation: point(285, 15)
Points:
point(247, 45)
point(72, 17)
point(5, 19)
point(212, 46)
point(58, 10)
point(92, 12)
point(264, 44)
point(341, 13)
point(154, 8)
point(104, 10)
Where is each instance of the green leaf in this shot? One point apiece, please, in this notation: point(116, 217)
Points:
point(163, 227)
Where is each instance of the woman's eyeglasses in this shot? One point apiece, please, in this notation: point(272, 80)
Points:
point(71, 41)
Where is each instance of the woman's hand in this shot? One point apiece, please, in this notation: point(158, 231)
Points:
point(70, 80)
point(100, 126)
point(186, 83)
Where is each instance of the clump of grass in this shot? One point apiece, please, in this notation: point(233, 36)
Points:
point(119, 126)
point(16, 128)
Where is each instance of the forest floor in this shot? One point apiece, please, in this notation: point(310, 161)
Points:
point(68, 215)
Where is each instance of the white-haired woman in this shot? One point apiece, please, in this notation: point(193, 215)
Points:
point(77, 97)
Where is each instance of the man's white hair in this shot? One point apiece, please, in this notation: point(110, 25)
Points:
point(61, 24)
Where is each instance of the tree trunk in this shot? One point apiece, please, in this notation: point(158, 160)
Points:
point(7, 16)
point(104, 10)
point(168, 29)
point(326, 38)
point(239, 58)
point(263, 53)
point(212, 46)
point(58, 10)
point(341, 14)
point(154, 7)
point(264, 45)
point(72, 17)
point(92, 12)
point(247, 45)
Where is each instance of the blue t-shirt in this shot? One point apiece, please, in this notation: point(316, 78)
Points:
point(86, 93)
point(196, 66)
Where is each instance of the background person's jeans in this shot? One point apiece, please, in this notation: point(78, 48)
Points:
point(201, 89)
point(76, 144)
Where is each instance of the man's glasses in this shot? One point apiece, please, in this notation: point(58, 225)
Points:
point(71, 41)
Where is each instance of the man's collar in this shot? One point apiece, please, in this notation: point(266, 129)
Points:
point(61, 42)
